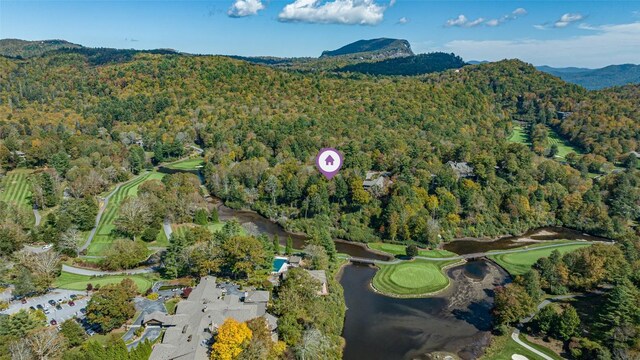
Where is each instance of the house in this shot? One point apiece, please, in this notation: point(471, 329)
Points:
point(295, 260)
point(19, 154)
point(462, 169)
point(189, 333)
point(321, 276)
point(563, 114)
point(376, 180)
point(329, 160)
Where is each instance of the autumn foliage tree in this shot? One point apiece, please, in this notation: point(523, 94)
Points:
point(231, 340)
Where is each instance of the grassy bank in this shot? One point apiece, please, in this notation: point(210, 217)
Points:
point(519, 135)
point(503, 348)
point(16, 188)
point(520, 263)
point(188, 164)
point(395, 249)
point(411, 278)
point(79, 282)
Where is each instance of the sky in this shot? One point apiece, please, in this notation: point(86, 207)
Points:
point(556, 33)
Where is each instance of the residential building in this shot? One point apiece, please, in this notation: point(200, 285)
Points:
point(190, 332)
point(462, 169)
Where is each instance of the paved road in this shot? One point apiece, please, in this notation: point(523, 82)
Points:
point(151, 333)
point(475, 255)
point(515, 335)
point(166, 226)
point(88, 272)
point(36, 214)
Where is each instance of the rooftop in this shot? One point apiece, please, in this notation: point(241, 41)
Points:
point(189, 332)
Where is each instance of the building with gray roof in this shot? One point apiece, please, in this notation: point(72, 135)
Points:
point(190, 332)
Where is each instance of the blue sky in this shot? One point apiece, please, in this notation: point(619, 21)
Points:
point(557, 33)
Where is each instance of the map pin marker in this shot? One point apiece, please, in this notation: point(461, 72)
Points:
point(329, 161)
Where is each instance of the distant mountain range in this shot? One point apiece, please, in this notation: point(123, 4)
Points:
point(374, 49)
point(17, 48)
point(381, 56)
point(612, 75)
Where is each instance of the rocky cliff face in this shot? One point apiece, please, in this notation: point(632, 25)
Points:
point(374, 49)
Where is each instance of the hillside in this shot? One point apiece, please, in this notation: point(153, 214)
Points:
point(373, 49)
point(408, 65)
point(26, 49)
point(613, 75)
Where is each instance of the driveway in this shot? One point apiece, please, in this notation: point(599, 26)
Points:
point(145, 307)
point(151, 333)
point(67, 311)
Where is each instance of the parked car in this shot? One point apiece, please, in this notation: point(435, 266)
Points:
point(32, 308)
point(47, 247)
point(91, 332)
point(46, 311)
point(39, 306)
point(83, 310)
point(53, 322)
point(52, 302)
point(23, 301)
point(59, 307)
point(71, 303)
point(73, 296)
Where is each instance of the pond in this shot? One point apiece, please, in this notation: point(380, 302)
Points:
point(457, 321)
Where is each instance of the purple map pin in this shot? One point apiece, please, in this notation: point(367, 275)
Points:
point(329, 162)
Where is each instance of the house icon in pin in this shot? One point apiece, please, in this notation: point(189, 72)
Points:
point(329, 160)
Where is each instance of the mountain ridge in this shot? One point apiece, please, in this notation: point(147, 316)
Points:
point(374, 49)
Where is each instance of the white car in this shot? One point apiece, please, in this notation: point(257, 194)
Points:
point(47, 247)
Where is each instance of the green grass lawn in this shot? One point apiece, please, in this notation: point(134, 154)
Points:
point(503, 347)
point(171, 305)
point(519, 135)
point(396, 249)
point(520, 263)
point(103, 239)
point(16, 188)
point(188, 164)
point(411, 278)
point(79, 282)
point(564, 147)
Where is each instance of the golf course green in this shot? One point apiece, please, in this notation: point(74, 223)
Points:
point(520, 263)
point(411, 278)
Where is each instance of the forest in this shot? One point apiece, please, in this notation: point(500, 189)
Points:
point(85, 120)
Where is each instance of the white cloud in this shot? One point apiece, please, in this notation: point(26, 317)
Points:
point(635, 13)
point(608, 44)
point(564, 21)
point(392, 2)
point(242, 8)
point(403, 20)
point(567, 19)
point(463, 21)
point(349, 12)
point(519, 12)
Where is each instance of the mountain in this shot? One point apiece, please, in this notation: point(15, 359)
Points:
point(25, 49)
point(408, 65)
point(612, 75)
point(378, 49)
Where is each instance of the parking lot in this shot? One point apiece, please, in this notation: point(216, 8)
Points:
point(61, 298)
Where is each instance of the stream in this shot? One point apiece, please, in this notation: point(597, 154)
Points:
point(455, 323)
